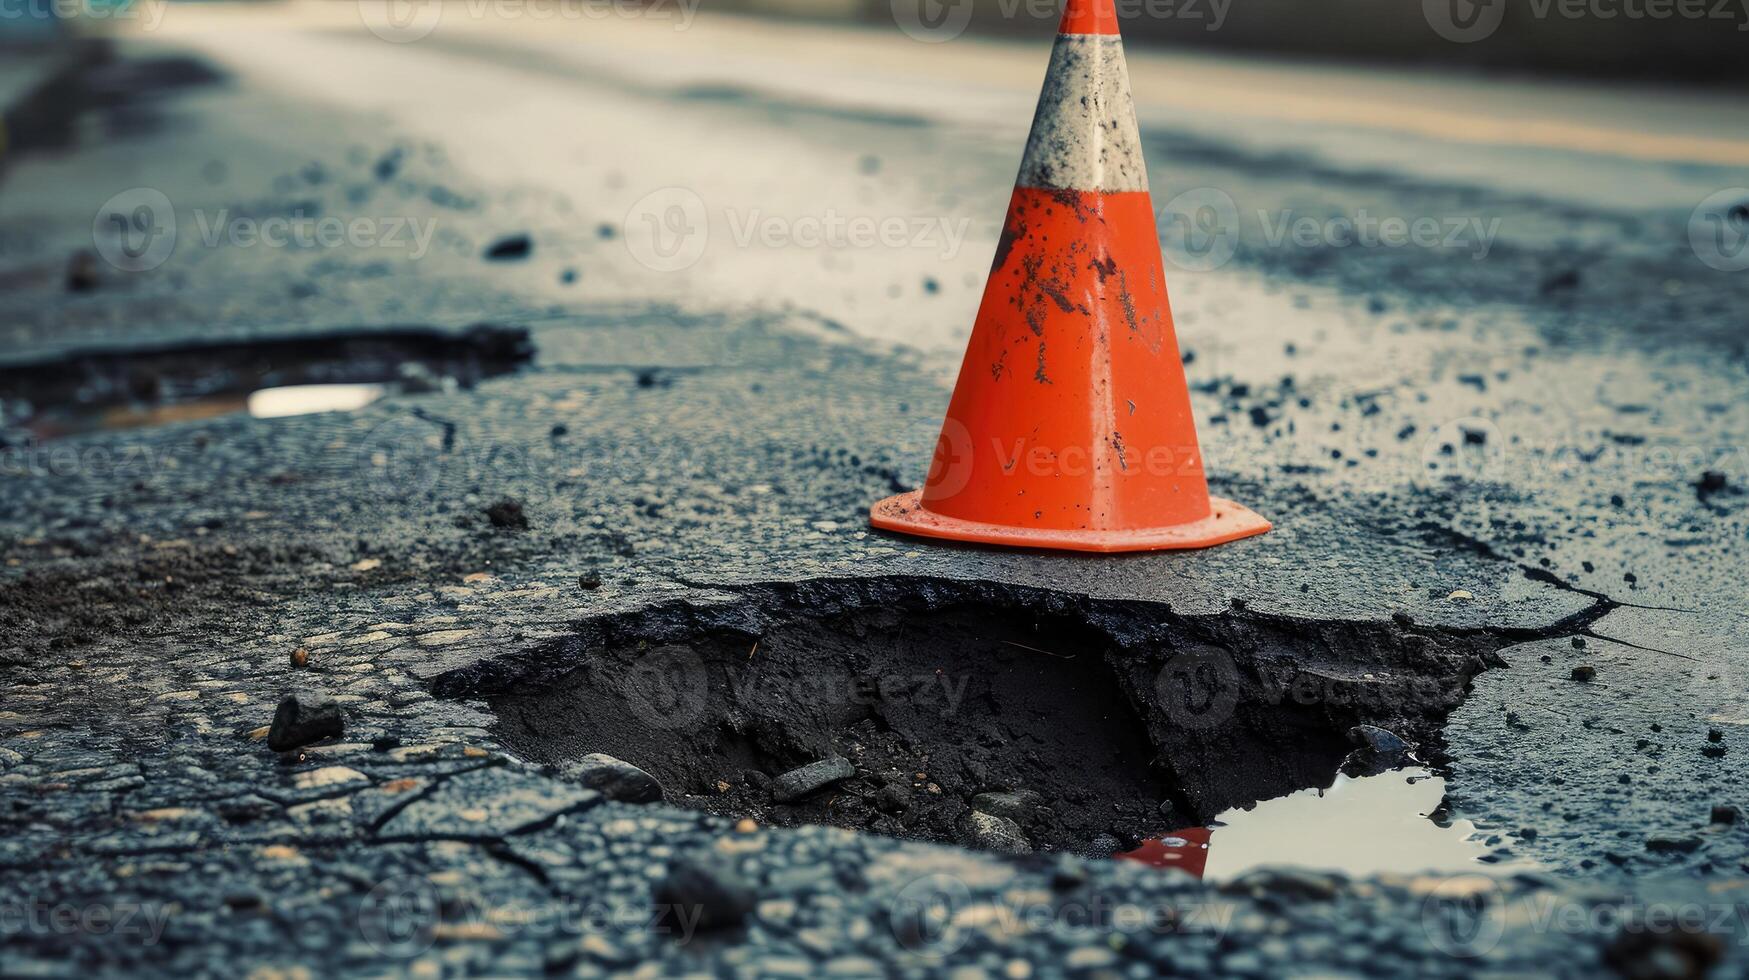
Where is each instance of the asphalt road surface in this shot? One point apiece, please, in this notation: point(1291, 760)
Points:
point(648, 311)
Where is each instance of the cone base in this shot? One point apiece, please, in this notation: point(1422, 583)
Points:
point(1228, 521)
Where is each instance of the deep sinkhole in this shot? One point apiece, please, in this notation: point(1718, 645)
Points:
point(1080, 720)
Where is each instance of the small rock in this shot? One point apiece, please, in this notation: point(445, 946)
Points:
point(304, 718)
point(507, 514)
point(1584, 673)
point(1725, 813)
point(1642, 953)
point(992, 833)
point(709, 887)
point(300, 658)
point(1460, 595)
point(82, 275)
point(510, 248)
point(811, 778)
point(1285, 883)
point(1714, 735)
point(1578, 643)
point(892, 798)
point(1012, 804)
point(1102, 847)
point(613, 778)
point(1376, 750)
point(1673, 845)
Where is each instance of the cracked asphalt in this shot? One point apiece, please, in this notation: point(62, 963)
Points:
point(1507, 493)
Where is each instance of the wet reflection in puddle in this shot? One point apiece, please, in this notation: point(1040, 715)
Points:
point(267, 403)
point(1370, 825)
point(275, 403)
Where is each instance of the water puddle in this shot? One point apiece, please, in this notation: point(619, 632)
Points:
point(279, 403)
point(1359, 826)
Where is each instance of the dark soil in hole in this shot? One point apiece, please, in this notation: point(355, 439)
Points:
point(930, 710)
point(1104, 718)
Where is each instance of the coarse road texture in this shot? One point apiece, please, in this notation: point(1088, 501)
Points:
point(1517, 447)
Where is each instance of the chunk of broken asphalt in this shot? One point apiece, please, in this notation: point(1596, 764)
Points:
point(1376, 750)
point(1012, 804)
point(708, 887)
point(811, 778)
point(613, 778)
point(302, 719)
point(1584, 673)
point(510, 248)
point(989, 832)
point(507, 514)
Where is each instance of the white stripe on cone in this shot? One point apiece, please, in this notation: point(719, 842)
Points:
point(1084, 133)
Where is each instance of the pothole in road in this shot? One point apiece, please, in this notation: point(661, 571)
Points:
point(270, 378)
point(1081, 725)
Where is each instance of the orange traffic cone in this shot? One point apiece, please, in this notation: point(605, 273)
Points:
point(1070, 426)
